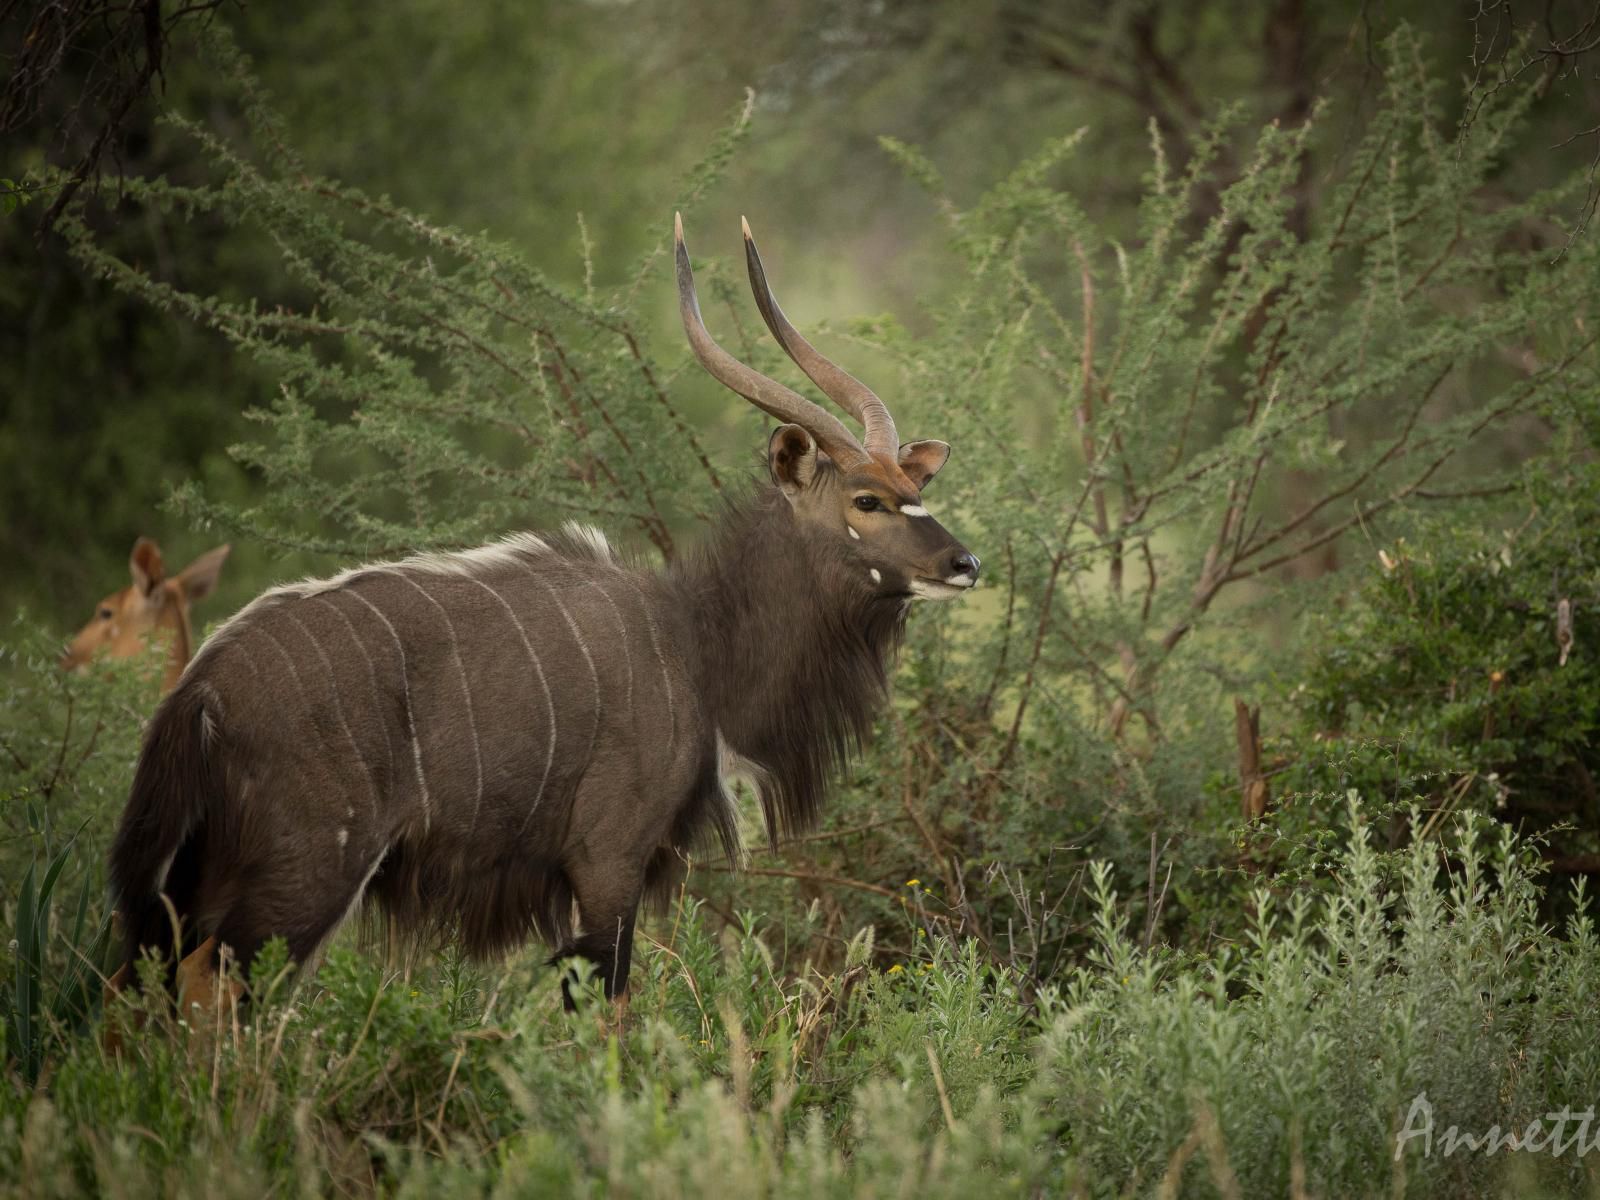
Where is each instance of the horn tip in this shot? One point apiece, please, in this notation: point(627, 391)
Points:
point(745, 226)
point(677, 226)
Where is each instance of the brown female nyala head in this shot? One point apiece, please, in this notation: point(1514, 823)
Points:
point(530, 737)
point(153, 606)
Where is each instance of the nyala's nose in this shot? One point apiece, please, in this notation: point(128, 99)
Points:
point(965, 564)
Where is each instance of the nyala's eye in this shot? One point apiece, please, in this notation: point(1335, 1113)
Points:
point(868, 503)
point(106, 614)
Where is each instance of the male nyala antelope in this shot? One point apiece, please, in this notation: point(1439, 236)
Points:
point(484, 741)
point(153, 606)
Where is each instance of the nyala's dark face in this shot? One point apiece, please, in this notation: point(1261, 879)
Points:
point(865, 492)
point(876, 506)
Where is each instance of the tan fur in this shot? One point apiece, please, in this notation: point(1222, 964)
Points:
point(205, 993)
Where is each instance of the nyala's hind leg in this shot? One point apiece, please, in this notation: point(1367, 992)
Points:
point(299, 893)
point(611, 952)
point(608, 905)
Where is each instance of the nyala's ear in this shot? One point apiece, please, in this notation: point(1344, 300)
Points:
point(792, 458)
point(200, 576)
point(146, 566)
point(921, 460)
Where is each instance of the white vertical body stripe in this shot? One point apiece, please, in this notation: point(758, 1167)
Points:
point(661, 659)
point(549, 700)
point(338, 709)
point(372, 671)
point(411, 720)
point(594, 675)
point(466, 687)
point(622, 628)
point(288, 660)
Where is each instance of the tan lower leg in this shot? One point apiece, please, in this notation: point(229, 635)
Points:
point(194, 978)
point(202, 988)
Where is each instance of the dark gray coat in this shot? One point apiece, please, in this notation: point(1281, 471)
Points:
point(482, 741)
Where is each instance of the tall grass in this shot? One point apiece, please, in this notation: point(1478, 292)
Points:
point(1283, 1063)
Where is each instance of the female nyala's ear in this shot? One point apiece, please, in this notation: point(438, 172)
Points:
point(199, 578)
point(921, 460)
point(792, 458)
point(146, 566)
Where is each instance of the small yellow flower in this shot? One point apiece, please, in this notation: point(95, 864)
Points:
point(913, 882)
point(415, 994)
point(896, 969)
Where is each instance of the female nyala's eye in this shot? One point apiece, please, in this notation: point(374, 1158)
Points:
point(105, 614)
point(868, 503)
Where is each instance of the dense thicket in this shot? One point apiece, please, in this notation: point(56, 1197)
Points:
point(1243, 806)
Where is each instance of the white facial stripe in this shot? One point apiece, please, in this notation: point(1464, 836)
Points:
point(853, 532)
point(914, 510)
point(935, 589)
point(876, 578)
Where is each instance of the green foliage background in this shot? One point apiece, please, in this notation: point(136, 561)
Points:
point(1266, 341)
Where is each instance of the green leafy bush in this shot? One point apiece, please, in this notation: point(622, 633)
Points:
point(1464, 670)
point(1288, 1061)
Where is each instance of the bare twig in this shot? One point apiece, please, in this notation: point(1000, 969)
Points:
point(1043, 626)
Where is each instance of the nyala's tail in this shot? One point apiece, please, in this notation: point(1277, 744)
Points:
point(178, 779)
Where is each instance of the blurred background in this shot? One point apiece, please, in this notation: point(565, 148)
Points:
point(556, 123)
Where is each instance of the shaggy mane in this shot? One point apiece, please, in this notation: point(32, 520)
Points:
point(793, 651)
